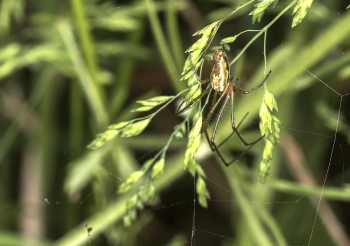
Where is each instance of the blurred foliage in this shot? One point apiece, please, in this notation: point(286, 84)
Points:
point(70, 69)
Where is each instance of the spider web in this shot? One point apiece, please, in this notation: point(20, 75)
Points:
point(324, 219)
point(323, 215)
point(202, 233)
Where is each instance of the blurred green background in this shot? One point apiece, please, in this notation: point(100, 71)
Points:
point(68, 69)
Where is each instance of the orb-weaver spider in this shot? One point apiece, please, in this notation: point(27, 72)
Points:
point(223, 86)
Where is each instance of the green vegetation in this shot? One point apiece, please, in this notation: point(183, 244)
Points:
point(88, 95)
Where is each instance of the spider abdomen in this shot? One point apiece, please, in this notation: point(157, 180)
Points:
point(221, 71)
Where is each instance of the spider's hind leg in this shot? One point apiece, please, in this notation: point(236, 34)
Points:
point(215, 148)
point(233, 132)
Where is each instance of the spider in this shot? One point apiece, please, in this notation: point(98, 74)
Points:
point(223, 86)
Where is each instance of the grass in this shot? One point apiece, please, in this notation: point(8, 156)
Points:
point(70, 71)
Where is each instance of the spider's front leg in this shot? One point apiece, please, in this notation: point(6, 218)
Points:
point(190, 104)
point(202, 81)
point(256, 87)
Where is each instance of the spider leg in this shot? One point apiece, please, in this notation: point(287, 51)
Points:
point(188, 106)
point(238, 157)
point(216, 149)
point(206, 122)
point(243, 153)
point(211, 140)
point(234, 128)
point(224, 141)
point(256, 87)
point(195, 72)
point(179, 110)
